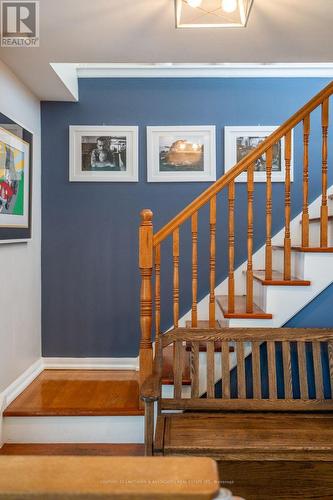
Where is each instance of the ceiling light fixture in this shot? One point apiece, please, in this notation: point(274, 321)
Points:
point(212, 13)
point(194, 3)
point(229, 5)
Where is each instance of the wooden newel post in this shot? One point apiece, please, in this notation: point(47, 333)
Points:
point(146, 299)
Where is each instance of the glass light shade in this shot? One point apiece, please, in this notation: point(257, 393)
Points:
point(229, 5)
point(194, 3)
point(213, 14)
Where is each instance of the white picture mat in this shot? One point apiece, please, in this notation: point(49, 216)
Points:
point(7, 220)
point(207, 132)
point(230, 151)
point(76, 132)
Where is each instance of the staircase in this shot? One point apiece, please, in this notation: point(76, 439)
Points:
point(276, 281)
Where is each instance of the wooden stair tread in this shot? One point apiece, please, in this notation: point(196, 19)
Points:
point(205, 324)
point(240, 309)
point(278, 279)
point(167, 376)
point(79, 393)
point(317, 219)
point(306, 249)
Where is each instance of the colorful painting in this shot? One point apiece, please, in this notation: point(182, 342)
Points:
point(14, 179)
point(11, 180)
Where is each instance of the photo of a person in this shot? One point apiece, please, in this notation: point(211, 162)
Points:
point(104, 153)
point(246, 144)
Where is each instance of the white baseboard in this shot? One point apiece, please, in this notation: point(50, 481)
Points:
point(21, 383)
point(91, 363)
point(123, 429)
point(15, 389)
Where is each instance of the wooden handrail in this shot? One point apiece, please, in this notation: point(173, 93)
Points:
point(243, 165)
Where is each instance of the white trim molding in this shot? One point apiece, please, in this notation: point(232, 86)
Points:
point(91, 363)
point(69, 73)
point(21, 383)
point(203, 70)
point(16, 388)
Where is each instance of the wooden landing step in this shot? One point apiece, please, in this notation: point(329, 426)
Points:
point(75, 449)
point(79, 393)
point(306, 249)
point(278, 279)
point(240, 309)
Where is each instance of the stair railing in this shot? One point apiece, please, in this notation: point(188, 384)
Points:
point(150, 243)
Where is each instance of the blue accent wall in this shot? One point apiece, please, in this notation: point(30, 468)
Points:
point(317, 314)
point(90, 278)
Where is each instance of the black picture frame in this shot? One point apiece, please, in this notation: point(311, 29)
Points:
point(19, 233)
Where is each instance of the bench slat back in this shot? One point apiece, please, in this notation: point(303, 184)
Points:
point(270, 369)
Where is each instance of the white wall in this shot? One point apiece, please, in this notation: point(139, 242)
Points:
point(20, 264)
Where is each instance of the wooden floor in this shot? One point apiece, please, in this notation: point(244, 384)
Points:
point(113, 450)
point(278, 480)
point(79, 393)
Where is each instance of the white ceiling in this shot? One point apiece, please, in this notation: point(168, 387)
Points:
point(143, 31)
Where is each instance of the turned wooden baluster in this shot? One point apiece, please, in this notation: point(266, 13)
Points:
point(157, 292)
point(249, 273)
point(287, 238)
point(268, 250)
point(305, 214)
point(195, 270)
point(231, 280)
point(212, 253)
point(324, 207)
point(176, 277)
point(146, 312)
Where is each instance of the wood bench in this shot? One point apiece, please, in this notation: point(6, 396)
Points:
point(275, 404)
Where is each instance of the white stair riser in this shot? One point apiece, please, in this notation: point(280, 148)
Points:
point(259, 295)
point(314, 237)
point(74, 429)
point(297, 266)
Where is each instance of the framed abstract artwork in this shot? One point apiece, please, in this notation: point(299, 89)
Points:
point(15, 181)
point(240, 141)
point(103, 154)
point(181, 154)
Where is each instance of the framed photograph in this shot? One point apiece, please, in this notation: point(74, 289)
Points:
point(15, 181)
point(103, 154)
point(240, 141)
point(181, 154)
